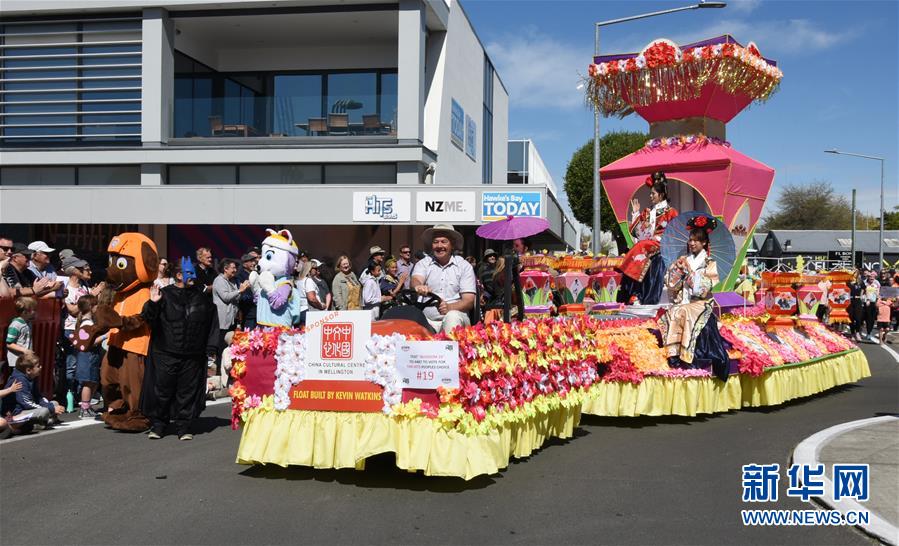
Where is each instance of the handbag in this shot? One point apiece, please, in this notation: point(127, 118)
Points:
point(353, 296)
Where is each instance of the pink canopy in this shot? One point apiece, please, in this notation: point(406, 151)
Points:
point(724, 177)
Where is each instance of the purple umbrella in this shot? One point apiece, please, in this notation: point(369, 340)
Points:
point(509, 229)
point(513, 227)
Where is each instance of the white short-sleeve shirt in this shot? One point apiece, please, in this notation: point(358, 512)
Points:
point(449, 281)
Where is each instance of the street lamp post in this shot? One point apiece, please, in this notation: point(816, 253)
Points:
point(880, 240)
point(597, 214)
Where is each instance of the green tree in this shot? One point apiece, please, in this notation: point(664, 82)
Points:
point(890, 219)
point(814, 205)
point(579, 176)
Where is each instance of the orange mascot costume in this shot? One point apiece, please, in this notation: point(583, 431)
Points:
point(132, 268)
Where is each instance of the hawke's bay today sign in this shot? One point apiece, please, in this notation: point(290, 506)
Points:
point(496, 205)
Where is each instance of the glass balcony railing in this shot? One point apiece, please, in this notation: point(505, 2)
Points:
point(283, 116)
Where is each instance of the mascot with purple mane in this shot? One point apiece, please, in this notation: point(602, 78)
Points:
point(277, 299)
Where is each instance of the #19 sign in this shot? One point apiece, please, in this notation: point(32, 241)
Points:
point(428, 364)
point(335, 344)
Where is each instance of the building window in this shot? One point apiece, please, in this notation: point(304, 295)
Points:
point(214, 175)
point(517, 170)
point(296, 174)
point(487, 122)
point(94, 175)
point(361, 174)
point(37, 176)
point(280, 174)
point(282, 104)
point(117, 175)
point(70, 82)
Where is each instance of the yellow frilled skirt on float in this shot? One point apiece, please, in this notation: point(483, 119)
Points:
point(791, 381)
point(326, 439)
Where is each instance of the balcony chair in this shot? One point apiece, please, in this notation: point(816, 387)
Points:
point(317, 126)
point(338, 124)
point(371, 124)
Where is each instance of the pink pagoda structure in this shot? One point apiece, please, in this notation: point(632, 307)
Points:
point(688, 94)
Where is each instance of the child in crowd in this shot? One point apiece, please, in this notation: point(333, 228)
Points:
point(7, 429)
point(28, 402)
point(87, 363)
point(18, 335)
point(883, 318)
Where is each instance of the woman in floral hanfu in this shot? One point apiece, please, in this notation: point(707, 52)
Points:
point(689, 328)
point(643, 269)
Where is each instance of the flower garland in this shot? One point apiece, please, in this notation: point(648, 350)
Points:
point(260, 340)
point(291, 369)
point(380, 368)
point(663, 72)
point(684, 141)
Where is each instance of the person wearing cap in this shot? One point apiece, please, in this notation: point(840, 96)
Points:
point(375, 255)
point(20, 279)
point(404, 265)
point(321, 299)
point(78, 272)
point(41, 268)
point(246, 306)
point(446, 275)
point(486, 270)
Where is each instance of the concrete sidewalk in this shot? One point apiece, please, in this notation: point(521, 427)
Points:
point(874, 442)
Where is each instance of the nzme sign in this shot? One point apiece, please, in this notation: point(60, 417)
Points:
point(500, 204)
point(453, 206)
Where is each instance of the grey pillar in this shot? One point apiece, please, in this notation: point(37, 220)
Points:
point(410, 71)
point(157, 77)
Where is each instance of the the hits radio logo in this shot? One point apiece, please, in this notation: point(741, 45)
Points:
point(380, 206)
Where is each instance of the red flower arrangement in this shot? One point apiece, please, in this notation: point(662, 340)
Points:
point(660, 54)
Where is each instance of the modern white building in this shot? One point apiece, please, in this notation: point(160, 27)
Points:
point(202, 122)
point(525, 166)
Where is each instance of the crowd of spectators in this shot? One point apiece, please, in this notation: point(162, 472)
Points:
point(37, 271)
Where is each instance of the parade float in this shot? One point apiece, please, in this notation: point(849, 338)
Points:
point(464, 403)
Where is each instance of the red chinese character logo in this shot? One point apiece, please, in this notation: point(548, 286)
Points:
point(337, 340)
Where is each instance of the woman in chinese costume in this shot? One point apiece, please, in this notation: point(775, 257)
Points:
point(643, 269)
point(689, 328)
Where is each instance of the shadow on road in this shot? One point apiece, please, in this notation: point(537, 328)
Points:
point(380, 472)
point(643, 421)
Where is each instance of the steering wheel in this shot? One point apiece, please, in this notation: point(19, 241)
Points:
point(411, 297)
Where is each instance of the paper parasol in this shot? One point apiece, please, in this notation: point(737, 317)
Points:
point(674, 243)
point(513, 227)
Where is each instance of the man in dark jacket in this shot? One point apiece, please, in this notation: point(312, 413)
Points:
point(247, 304)
point(184, 328)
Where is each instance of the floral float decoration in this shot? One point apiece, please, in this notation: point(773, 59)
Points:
point(510, 372)
point(663, 72)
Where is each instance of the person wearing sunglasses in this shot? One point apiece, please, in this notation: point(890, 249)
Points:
point(404, 265)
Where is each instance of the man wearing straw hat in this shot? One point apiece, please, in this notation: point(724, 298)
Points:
point(449, 276)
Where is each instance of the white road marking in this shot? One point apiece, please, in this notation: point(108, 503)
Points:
point(82, 423)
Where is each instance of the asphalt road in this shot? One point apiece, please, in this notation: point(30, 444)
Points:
point(620, 481)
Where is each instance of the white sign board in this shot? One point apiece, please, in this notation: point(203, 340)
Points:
point(446, 206)
point(428, 364)
point(335, 344)
point(382, 206)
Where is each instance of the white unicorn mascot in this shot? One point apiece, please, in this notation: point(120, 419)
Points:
point(277, 299)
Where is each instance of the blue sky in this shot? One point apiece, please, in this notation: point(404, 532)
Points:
point(839, 88)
